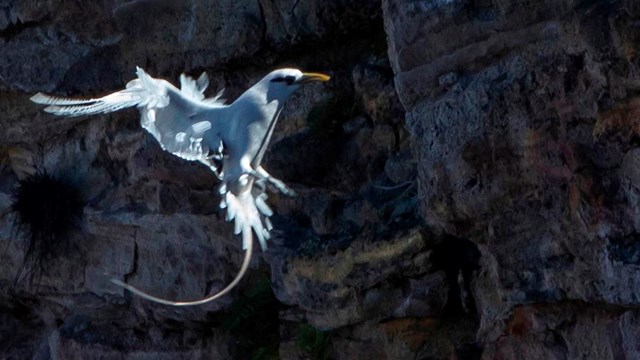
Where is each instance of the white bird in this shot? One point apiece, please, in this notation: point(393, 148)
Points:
point(230, 139)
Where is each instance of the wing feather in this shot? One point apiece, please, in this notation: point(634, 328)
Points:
point(178, 119)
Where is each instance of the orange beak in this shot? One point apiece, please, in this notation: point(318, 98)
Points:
point(309, 77)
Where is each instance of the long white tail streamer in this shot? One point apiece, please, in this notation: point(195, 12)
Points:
point(243, 269)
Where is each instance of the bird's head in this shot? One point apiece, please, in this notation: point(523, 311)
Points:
point(282, 83)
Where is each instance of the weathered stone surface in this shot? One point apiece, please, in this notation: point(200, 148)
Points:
point(356, 284)
point(521, 159)
point(81, 338)
point(568, 331)
point(522, 116)
point(152, 219)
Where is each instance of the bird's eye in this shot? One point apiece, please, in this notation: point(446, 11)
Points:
point(289, 79)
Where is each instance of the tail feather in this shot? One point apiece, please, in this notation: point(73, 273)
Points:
point(250, 212)
point(262, 206)
point(248, 219)
point(243, 269)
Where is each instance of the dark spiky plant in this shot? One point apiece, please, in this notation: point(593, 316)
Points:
point(48, 209)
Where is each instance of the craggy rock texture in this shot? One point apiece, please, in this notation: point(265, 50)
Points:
point(523, 119)
point(153, 220)
point(468, 183)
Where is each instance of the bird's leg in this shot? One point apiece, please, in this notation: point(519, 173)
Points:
point(262, 174)
point(260, 183)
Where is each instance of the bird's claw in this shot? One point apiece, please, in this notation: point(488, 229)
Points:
point(288, 191)
point(284, 189)
point(261, 175)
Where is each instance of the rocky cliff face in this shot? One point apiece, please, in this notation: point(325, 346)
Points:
point(467, 182)
point(521, 116)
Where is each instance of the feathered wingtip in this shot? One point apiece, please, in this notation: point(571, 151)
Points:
point(203, 82)
point(145, 79)
point(140, 73)
point(41, 98)
point(194, 88)
point(144, 90)
point(64, 106)
point(45, 99)
point(216, 100)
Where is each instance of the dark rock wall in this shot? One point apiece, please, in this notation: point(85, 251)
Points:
point(522, 119)
point(467, 182)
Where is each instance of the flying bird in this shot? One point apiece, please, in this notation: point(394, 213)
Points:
point(229, 139)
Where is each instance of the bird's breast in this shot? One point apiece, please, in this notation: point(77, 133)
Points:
point(252, 126)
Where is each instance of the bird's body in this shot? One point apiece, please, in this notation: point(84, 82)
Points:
point(230, 139)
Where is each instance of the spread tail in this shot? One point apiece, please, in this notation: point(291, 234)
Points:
point(250, 211)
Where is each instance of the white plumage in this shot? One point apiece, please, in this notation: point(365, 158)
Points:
point(230, 139)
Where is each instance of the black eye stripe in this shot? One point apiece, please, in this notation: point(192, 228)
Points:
point(289, 79)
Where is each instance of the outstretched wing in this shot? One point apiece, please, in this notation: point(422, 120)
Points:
point(181, 122)
point(195, 89)
point(177, 119)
